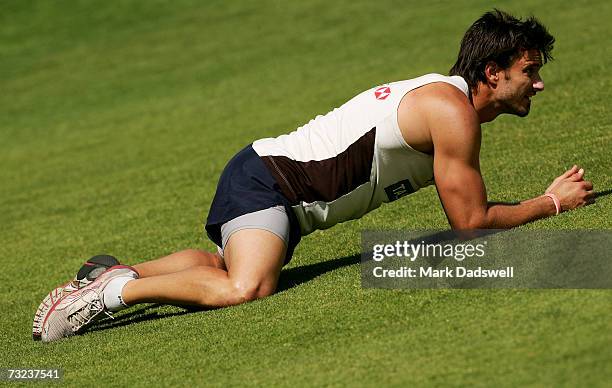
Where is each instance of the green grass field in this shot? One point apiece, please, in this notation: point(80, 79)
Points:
point(116, 119)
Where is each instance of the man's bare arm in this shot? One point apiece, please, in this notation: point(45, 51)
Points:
point(456, 136)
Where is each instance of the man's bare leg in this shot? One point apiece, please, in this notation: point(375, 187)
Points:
point(178, 262)
point(253, 260)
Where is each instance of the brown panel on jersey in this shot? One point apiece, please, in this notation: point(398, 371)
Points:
point(328, 179)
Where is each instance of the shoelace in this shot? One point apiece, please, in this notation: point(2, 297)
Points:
point(83, 316)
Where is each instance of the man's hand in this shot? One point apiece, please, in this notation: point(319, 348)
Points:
point(572, 190)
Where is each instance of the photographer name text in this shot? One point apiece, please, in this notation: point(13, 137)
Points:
point(446, 272)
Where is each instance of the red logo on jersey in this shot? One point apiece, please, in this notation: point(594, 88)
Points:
point(382, 92)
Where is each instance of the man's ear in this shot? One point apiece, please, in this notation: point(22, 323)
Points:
point(492, 73)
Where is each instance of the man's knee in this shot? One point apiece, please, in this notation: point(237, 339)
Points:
point(247, 291)
point(231, 293)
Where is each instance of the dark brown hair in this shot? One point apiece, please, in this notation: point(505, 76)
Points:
point(499, 37)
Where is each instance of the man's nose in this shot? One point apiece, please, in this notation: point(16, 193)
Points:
point(538, 84)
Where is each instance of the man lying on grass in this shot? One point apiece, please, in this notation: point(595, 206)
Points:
point(383, 144)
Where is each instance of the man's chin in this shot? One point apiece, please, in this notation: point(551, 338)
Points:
point(522, 111)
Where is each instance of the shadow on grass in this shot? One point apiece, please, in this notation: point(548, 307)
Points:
point(139, 314)
point(603, 193)
point(293, 277)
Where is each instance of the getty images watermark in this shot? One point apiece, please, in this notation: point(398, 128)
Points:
point(487, 259)
point(412, 251)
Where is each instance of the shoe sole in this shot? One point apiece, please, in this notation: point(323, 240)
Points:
point(53, 297)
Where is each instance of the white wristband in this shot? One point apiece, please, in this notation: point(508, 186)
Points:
point(555, 200)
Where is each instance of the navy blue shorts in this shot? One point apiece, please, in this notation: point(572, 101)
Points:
point(246, 186)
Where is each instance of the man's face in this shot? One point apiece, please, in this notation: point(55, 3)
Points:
point(519, 83)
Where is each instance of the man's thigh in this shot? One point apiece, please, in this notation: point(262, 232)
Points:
point(254, 258)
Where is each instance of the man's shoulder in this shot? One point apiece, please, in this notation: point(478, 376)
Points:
point(449, 116)
point(441, 99)
point(443, 93)
point(436, 112)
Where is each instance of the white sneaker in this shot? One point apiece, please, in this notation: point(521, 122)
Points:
point(88, 272)
point(75, 311)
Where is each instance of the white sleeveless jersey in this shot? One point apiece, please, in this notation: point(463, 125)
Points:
point(348, 162)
